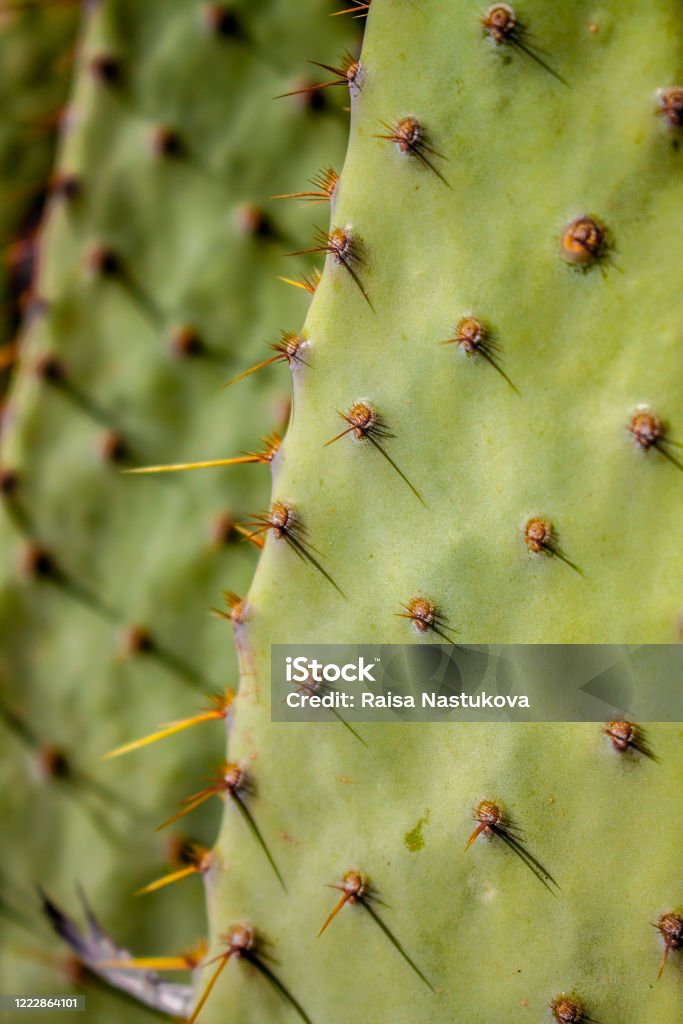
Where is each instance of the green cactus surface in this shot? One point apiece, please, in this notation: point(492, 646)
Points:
point(522, 208)
point(482, 448)
point(585, 345)
point(157, 283)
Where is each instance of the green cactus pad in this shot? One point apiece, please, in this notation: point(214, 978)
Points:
point(547, 520)
point(159, 282)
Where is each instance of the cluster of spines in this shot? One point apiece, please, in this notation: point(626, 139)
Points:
point(103, 262)
point(585, 244)
point(492, 822)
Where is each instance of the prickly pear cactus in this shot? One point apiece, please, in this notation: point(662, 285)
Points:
point(509, 191)
point(158, 282)
point(509, 188)
point(523, 435)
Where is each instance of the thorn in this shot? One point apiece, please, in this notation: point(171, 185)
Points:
point(629, 736)
point(344, 249)
point(325, 184)
point(365, 424)
point(192, 802)
point(424, 616)
point(200, 862)
point(223, 961)
point(481, 827)
point(352, 888)
point(473, 337)
point(316, 688)
point(411, 139)
point(649, 431)
point(272, 443)
point(356, 890)
point(241, 943)
point(360, 9)
point(285, 525)
point(502, 25)
point(539, 537)
point(287, 349)
point(493, 822)
point(185, 962)
point(230, 782)
point(345, 74)
point(253, 538)
point(236, 608)
point(222, 706)
point(246, 814)
point(308, 284)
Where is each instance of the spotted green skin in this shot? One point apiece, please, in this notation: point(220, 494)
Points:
point(523, 155)
point(493, 942)
point(143, 546)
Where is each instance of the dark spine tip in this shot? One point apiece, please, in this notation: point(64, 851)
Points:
point(307, 97)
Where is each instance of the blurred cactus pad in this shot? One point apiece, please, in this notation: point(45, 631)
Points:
point(483, 447)
point(37, 44)
point(157, 281)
